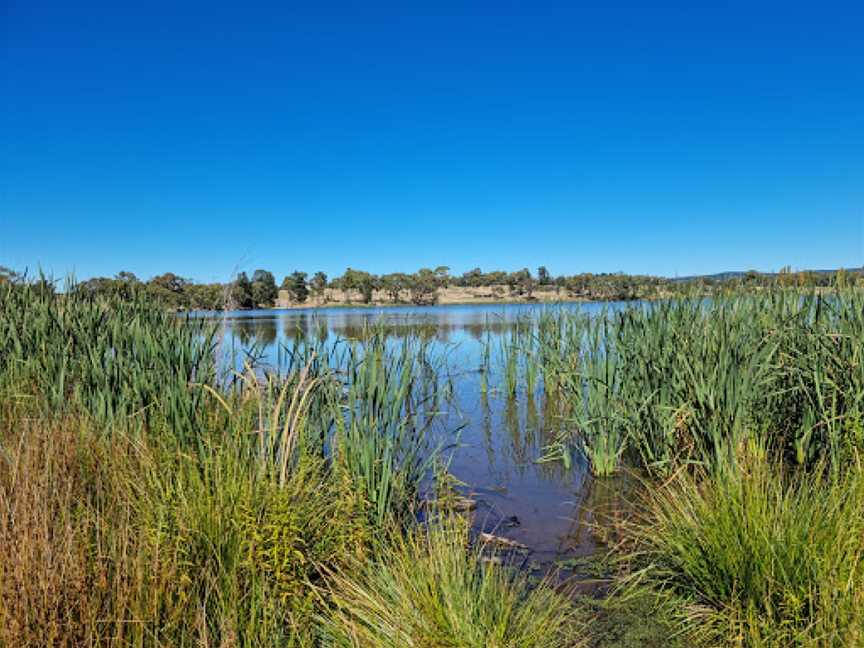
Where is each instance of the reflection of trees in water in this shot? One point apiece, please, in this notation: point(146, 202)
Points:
point(428, 330)
point(557, 417)
point(303, 327)
point(365, 330)
point(553, 419)
point(526, 426)
point(478, 330)
point(533, 422)
point(530, 426)
point(518, 435)
point(259, 335)
point(296, 328)
point(258, 331)
point(487, 430)
point(322, 331)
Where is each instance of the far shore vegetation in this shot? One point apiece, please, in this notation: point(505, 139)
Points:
point(434, 286)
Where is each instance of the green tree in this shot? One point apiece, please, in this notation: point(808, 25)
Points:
point(96, 286)
point(367, 286)
point(264, 291)
point(241, 292)
point(751, 278)
point(207, 296)
point(424, 287)
point(170, 282)
point(543, 276)
point(473, 278)
point(296, 285)
point(521, 282)
point(347, 283)
point(495, 278)
point(168, 288)
point(126, 284)
point(394, 284)
point(318, 284)
point(442, 276)
point(358, 280)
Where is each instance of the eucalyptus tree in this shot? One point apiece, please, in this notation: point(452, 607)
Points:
point(240, 295)
point(521, 282)
point(358, 280)
point(264, 291)
point(169, 288)
point(472, 278)
point(297, 286)
point(394, 284)
point(318, 284)
point(442, 276)
point(424, 287)
point(543, 276)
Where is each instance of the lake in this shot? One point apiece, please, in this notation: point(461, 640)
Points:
point(493, 441)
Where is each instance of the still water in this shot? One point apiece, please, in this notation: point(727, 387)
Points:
point(493, 441)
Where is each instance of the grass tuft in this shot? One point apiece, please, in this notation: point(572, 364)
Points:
point(429, 590)
point(759, 555)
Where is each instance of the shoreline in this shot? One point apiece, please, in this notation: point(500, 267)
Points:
point(451, 301)
point(438, 304)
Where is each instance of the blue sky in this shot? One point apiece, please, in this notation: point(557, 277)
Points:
point(672, 140)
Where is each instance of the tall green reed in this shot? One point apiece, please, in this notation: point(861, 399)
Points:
point(115, 359)
point(385, 404)
point(692, 379)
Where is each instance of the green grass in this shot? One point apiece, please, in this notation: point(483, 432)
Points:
point(639, 621)
point(758, 554)
point(429, 590)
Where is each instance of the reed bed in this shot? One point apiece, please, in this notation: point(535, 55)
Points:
point(120, 361)
point(690, 380)
point(744, 414)
point(149, 499)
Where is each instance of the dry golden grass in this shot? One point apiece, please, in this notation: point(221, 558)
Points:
point(105, 540)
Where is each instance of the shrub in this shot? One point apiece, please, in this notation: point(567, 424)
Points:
point(760, 557)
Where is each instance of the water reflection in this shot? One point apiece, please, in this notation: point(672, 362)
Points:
point(501, 437)
point(255, 331)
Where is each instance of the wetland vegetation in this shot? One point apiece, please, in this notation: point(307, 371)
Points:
point(395, 480)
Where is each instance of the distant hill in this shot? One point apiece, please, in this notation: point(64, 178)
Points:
point(734, 274)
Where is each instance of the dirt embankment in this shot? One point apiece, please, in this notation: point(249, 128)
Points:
point(445, 296)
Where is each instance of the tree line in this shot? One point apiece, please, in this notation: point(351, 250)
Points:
point(422, 287)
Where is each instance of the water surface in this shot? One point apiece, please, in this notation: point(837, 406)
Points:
point(494, 441)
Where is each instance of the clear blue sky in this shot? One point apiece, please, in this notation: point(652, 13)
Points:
point(195, 138)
